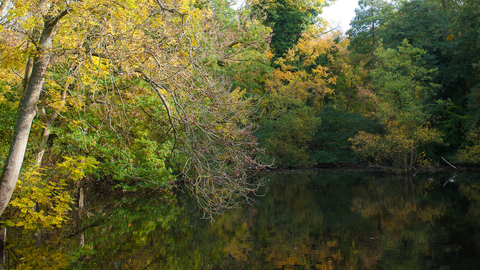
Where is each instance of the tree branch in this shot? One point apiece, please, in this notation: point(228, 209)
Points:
point(157, 88)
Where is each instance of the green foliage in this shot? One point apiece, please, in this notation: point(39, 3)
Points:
point(286, 131)
point(473, 109)
point(370, 18)
point(331, 144)
point(288, 19)
point(442, 29)
point(403, 86)
point(9, 98)
point(297, 90)
point(448, 33)
point(135, 154)
point(402, 90)
point(238, 45)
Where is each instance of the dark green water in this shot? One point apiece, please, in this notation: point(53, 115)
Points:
point(307, 220)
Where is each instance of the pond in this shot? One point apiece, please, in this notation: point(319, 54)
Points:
point(307, 219)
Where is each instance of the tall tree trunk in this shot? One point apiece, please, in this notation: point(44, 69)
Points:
point(81, 195)
point(27, 110)
point(3, 244)
point(28, 73)
point(2, 7)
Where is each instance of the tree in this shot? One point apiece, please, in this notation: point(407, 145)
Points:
point(448, 32)
point(370, 17)
point(331, 144)
point(288, 19)
point(27, 106)
point(104, 55)
point(402, 88)
point(296, 92)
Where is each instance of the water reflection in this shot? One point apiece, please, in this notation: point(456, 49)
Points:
point(306, 220)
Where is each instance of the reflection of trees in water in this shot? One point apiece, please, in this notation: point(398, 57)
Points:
point(307, 220)
point(390, 222)
point(391, 204)
point(24, 252)
point(424, 226)
point(471, 191)
point(118, 229)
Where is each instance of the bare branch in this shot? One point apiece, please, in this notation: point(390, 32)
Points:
point(157, 87)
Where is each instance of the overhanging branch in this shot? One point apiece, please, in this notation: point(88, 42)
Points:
point(157, 88)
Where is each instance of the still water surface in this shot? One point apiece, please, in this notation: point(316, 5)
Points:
point(313, 219)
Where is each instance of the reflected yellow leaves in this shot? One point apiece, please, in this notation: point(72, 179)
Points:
point(310, 253)
point(41, 258)
point(306, 221)
point(394, 207)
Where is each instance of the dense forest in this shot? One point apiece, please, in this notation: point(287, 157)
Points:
point(150, 94)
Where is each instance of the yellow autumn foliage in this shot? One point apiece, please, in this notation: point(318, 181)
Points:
point(395, 145)
point(310, 69)
point(42, 198)
point(471, 152)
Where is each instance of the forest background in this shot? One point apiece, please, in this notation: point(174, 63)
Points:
point(150, 93)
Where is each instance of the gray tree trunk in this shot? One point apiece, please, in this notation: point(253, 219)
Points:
point(27, 110)
point(3, 244)
point(3, 6)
